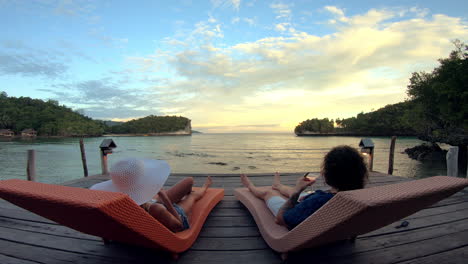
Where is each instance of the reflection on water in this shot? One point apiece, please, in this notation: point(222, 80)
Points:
point(59, 159)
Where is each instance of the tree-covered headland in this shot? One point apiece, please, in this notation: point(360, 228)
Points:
point(436, 110)
point(152, 124)
point(441, 100)
point(49, 118)
point(390, 120)
point(315, 126)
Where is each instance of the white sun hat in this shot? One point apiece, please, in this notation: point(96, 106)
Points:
point(141, 179)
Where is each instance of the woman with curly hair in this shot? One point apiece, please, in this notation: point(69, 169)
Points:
point(343, 169)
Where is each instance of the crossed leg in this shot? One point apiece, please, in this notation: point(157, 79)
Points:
point(264, 193)
point(194, 196)
point(180, 189)
point(283, 189)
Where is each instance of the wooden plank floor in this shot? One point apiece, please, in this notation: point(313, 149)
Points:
point(438, 234)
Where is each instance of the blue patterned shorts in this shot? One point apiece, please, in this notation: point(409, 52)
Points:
point(183, 216)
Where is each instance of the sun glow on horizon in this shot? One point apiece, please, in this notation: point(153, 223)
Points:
point(229, 66)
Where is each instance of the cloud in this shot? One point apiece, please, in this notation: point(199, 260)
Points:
point(234, 4)
point(71, 7)
point(249, 21)
point(117, 113)
point(365, 64)
point(73, 50)
point(110, 41)
point(272, 83)
point(419, 12)
point(282, 11)
point(66, 8)
point(282, 27)
point(338, 14)
point(17, 57)
point(335, 10)
point(105, 99)
point(208, 30)
point(31, 64)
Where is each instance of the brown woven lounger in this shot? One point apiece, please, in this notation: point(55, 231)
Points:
point(350, 213)
point(110, 215)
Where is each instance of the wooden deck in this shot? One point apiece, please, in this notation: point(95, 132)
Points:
point(438, 234)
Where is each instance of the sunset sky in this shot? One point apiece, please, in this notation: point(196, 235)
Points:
point(230, 66)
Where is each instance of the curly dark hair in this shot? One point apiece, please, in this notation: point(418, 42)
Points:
point(344, 169)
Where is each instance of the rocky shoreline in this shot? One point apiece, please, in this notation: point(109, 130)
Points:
point(426, 152)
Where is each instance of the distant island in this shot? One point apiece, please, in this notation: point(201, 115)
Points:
point(24, 116)
point(153, 126)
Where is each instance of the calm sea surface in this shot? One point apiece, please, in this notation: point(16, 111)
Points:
point(59, 160)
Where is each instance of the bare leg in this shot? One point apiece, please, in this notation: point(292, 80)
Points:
point(263, 193)
point(194, 196)
point(283, 189)
point(180, 189)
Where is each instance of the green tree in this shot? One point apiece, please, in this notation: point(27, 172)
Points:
point(151, 124)
point(47, 118)
point(390, 120)
point(315, 125)
point(441, 99)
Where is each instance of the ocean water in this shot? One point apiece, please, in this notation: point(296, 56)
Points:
point(59, 160)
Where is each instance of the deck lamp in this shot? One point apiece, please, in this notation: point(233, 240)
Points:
point(367, 149)
point(106, 148)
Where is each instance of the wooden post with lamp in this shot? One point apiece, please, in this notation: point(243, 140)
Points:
point(106, 148)
point(367, 149)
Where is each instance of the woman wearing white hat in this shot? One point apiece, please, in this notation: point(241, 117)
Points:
point(143, 179)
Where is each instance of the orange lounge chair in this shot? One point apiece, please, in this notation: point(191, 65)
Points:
point(110, 215)
point(350, 213)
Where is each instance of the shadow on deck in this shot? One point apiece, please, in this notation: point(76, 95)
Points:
point(438, 234)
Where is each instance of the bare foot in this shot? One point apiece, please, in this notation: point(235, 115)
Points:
point(245, 181)
point(276, 182)
point(208, 182)
point(200, 192)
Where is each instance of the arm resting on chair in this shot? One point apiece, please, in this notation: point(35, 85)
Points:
point(290, 203)
point(301, 184)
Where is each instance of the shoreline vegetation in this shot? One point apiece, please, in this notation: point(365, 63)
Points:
point(435, 111)
point(391, 120)
point(24, 117)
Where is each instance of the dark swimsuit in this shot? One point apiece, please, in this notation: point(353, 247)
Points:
point(179, 210)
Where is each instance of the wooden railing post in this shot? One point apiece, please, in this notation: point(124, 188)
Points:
point(391, 155)
point(83, 158)
point(104, 167)
point(106, 148)
point(371, 160)
point(452, 161)
point(31, 167)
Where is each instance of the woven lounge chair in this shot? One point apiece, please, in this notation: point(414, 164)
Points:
point(350, 213)
point(110, 215)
